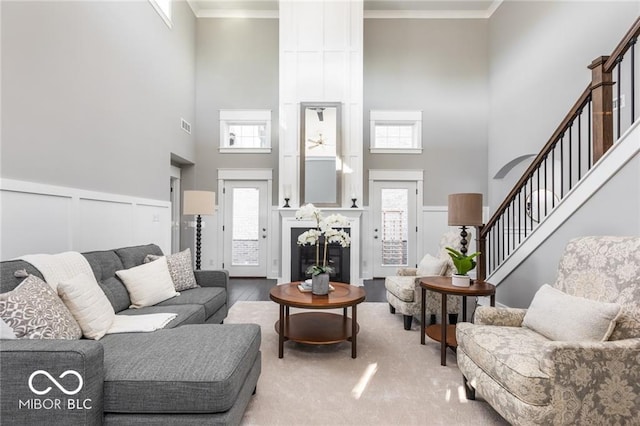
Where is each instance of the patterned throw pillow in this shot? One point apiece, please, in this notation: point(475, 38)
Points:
point(180, 269)
point(34, 311)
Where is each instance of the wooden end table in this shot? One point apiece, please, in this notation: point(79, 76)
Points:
point(317, 328)
point(443, 333)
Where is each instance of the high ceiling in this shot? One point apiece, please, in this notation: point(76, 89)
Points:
point(372, 8)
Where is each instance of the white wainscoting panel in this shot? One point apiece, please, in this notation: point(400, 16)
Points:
point(40, 218)
point(112, 219)
point(34, 220)
point(149, 225)
point(435, 224)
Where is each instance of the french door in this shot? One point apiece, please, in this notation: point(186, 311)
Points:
point(245, 228)
point(394, 226)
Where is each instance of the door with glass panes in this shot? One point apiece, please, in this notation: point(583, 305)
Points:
point(245, 228)
point(393, 214)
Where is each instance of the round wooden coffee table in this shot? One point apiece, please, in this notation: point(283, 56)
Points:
point(317, 328)
point(446, 334)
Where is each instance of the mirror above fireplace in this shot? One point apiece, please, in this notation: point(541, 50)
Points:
point(320, 163)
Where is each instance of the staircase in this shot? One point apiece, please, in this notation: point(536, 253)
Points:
point(592, 143)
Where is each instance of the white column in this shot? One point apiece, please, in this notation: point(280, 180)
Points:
point(321, 51)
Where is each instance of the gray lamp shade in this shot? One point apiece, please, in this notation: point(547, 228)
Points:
point(465, 209)
point(199, 202)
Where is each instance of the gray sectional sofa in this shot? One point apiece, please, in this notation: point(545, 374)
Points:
point(195, 371)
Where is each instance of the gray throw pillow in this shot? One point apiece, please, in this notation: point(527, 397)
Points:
point(34, 311)
point(180, 269)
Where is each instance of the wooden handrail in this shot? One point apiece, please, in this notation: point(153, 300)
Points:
point(599, 97)
point(623, 46)
point(562, 128)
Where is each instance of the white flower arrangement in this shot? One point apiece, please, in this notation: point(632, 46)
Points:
point(325, 232)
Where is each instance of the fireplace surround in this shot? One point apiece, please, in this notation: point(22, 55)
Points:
point(304, 256)
point(288, 223)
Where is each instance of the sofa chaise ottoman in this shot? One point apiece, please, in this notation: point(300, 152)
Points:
point(194, 371)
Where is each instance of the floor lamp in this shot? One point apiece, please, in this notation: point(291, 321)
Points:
point(199, 203)
point(465, 210)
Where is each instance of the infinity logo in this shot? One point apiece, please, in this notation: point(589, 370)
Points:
point(55, 382)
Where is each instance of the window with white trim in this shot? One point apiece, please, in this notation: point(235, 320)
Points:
point(396, 132)
point(163, 7)
point(245, 131)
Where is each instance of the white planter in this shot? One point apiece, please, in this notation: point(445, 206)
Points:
point(460, 280)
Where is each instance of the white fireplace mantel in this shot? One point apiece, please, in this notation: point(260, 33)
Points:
point(289, 221)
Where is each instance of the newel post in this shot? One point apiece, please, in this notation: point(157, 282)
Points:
point(602, 107)
point(481, 246)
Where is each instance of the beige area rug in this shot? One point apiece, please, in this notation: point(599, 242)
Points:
point(394, 380)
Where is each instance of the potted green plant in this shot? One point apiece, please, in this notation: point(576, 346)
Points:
point(463, 263)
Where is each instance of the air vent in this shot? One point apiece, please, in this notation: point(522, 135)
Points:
point(185, 125)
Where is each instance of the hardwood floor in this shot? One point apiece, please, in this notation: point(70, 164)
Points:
point(257, 289)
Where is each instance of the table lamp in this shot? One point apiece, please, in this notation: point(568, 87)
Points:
point(465, 210)
point(199, 203)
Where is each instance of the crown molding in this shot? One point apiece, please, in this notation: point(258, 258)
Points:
point(231, 13)
point(434, 14)
point(368, 14)
point(239, 13)
point(193, 7)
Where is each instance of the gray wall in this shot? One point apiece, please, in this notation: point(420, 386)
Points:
point(441, 68)
point(93, 92)
point(538, 54)
point(610, 211)
point(236, 68)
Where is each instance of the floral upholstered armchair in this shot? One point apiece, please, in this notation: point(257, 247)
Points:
point(531, 376)
point(404, 291)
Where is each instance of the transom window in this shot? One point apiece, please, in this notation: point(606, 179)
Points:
point(245, 131)
point(396, 132)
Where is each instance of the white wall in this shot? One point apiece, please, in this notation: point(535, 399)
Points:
point(538, 55)
point(93, 93)
point(236, 68)
point(92, 97)
point(439, 67)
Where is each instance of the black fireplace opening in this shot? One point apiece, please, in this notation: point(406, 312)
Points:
point(304, 256)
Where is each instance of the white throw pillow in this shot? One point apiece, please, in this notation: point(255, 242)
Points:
point(561, 317)
point(6, 332)
point(431, 266)
point(149, 283)
point(88, 304)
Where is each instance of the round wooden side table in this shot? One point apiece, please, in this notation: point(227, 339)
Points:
point(317, 328)
point(443, 333)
